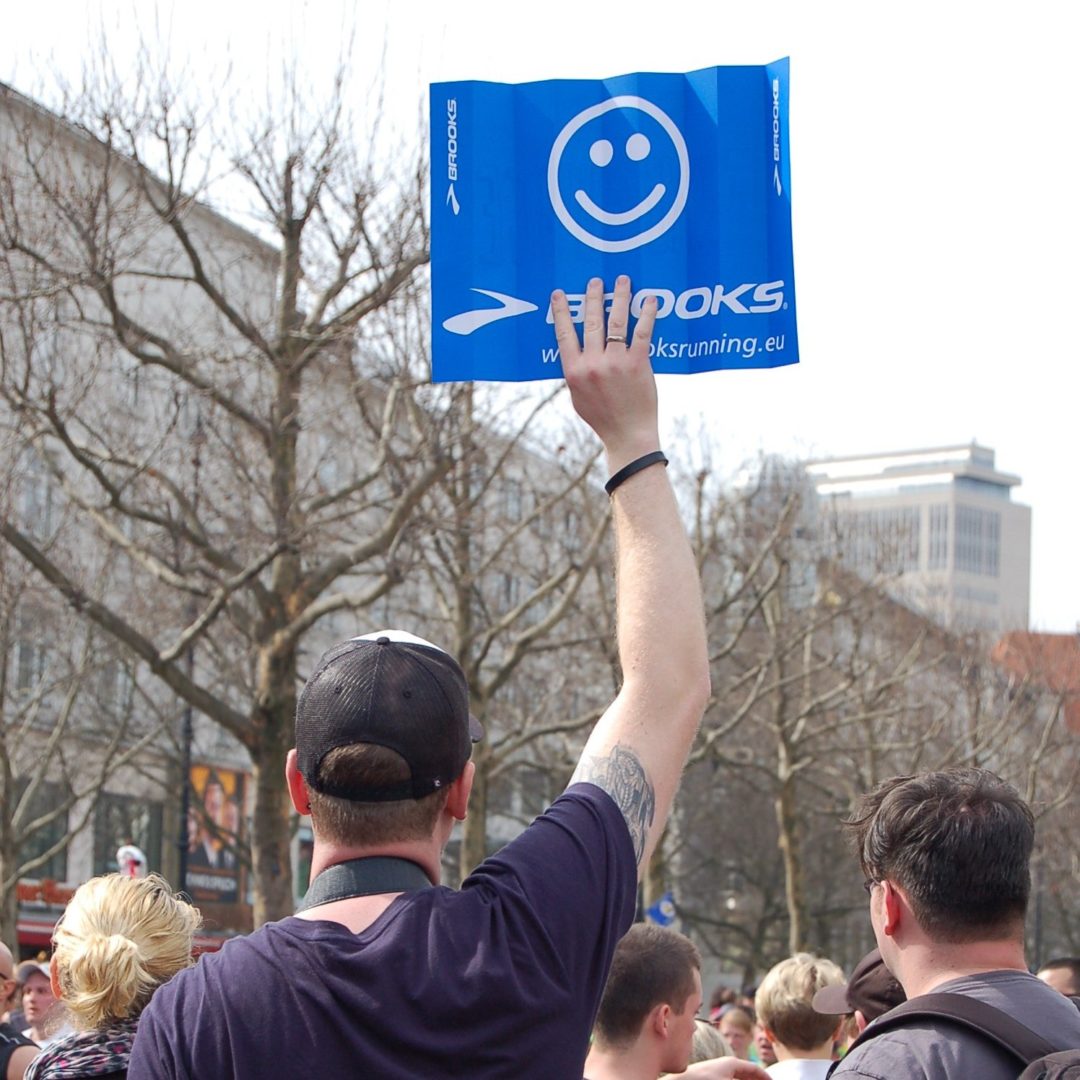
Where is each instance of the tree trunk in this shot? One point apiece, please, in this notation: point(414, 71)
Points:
point(9, 905)
point(273, 721)
point(787, 824)
point(652, 884)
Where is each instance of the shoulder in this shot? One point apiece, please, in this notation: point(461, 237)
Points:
point(892, 1055)
point(1026, 998)
point(9, 1034)
point(583, 824)
point(220, 968)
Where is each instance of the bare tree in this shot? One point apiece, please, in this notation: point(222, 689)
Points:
point(72, 714)
point(232, 419)
point(514, 532)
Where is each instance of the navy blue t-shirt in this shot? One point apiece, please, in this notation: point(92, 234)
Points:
point(500, 979)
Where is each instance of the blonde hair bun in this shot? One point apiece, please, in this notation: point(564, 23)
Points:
point(118, 941)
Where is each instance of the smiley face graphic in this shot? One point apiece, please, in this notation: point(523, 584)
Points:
point(619, 174)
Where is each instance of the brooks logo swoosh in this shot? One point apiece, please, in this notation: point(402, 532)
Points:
point(468, 321)
point(776, 178)
point(451, 200)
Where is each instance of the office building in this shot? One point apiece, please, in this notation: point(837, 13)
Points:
point(938, 526)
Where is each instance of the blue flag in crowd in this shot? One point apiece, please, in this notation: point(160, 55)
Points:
point(663, 912)
point(680, 181)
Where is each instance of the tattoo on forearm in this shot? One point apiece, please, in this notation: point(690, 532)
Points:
point(623, 777)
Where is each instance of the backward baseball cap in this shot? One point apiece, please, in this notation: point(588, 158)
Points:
point(391, 689)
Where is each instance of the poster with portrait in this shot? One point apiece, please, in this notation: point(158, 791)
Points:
point(216, 835)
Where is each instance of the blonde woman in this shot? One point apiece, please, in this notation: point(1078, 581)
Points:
point(118, 941)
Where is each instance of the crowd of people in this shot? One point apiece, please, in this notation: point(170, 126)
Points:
point(533, 968)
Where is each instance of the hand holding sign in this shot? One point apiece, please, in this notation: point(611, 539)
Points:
point(611, 381)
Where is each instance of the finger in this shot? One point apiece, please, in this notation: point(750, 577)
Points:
point(594, 315)
point(619, 317)
point(565, 334)
point(644, 330)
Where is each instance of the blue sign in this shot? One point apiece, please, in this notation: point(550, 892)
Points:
point(680, 181)
point(663, 912)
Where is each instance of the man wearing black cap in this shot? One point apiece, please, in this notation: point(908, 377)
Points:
point(871, 992)
point(385, 973)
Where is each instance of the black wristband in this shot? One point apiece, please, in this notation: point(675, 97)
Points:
point(655, 458)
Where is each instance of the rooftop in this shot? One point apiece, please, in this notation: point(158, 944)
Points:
point(1048, 660)
point(899, 469)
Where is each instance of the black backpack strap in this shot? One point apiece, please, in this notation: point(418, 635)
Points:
point(993, 1024)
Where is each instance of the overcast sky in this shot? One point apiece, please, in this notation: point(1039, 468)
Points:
point(936, 219)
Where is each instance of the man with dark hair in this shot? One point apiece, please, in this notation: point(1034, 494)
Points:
point(386, 974)
point(945, 856)
point(1063, 975)
point(645, 1025)
point(646, 1021)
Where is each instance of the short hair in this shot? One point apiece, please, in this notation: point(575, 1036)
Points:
point(1071, 964)
point(958, 843)
point(363, 824)
point(784, 1001)
point(652, 966)
point(740, 1016)
point(119, 939)
point(708, 1043)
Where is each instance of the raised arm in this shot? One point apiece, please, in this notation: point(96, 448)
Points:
point(638, 748)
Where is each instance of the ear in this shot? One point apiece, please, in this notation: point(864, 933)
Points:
point(54, 977)
point(860, 1020)
point(768, 1033)
point(658, 1020)
point(457, 794)
point(298, 790)
point(892, 904)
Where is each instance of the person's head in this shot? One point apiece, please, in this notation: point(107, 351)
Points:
point(737, 1027)
point(1063, 975)
point(766, 1052)
point(958, 844)
point(230, 818)
point(383, 740)
point(871, 992)
point(8, 983)
point(214, 797)
point(37, 994)
point(784, 1003)
point(653, 992)
point(119, 939)
point(721, 996)
point(707, 1043)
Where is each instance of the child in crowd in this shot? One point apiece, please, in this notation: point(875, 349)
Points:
point(802, 1038)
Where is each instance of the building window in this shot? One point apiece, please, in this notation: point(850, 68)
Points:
point(46, 799)
point(511, 592)
point(938, 556)
point(37, 498)
point(514, 504)
point(122, 818)
point(30, 654)
point(978, 541)
point(882, 541)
